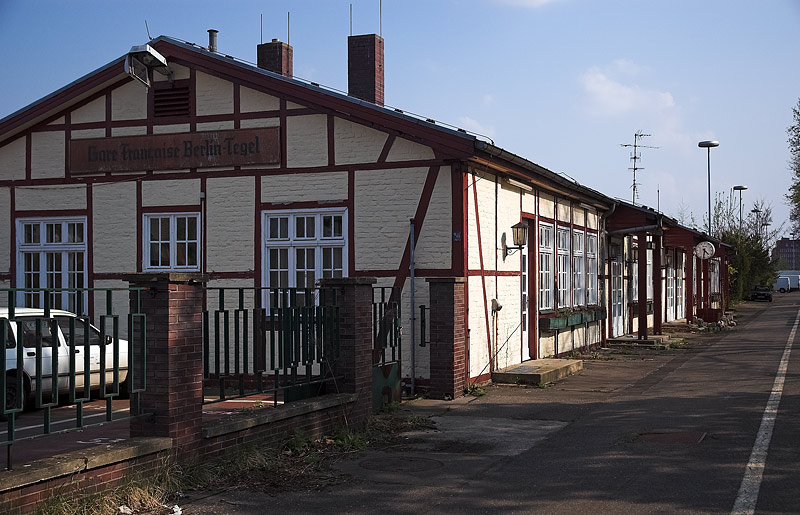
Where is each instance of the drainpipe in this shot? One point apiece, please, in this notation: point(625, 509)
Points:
point(413, 311)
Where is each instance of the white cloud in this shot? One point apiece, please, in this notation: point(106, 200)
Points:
point(475, 126)
point(488, 99)
point(607, 96)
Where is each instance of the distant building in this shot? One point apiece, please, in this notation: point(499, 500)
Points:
point(787, 252)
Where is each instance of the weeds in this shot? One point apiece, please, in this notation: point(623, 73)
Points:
point(475, 390)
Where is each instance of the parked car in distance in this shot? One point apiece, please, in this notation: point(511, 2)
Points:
point(782, 284)
point(761, 293)
point(55, 335)
point(794, 281)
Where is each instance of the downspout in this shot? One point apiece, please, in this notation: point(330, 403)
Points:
point(496, 265)
point(606, 266)
point(413, 311)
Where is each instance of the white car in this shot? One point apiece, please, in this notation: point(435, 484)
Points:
point(23, 328)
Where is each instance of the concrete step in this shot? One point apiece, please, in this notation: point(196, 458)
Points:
point(628, 340)
point(538, 371)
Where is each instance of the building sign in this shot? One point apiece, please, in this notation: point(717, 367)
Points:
point(175, 151)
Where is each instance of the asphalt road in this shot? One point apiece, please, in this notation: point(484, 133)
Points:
point(672, 432)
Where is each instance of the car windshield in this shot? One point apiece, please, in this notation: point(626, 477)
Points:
point(80, 331)
point(762, 288)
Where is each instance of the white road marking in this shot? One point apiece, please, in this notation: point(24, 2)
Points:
point(751, 482)
point(57, 422)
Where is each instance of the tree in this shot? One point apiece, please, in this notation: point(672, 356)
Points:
point(793, 197)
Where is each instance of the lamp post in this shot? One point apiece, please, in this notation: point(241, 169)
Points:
point(740, 189)
point(707, 145)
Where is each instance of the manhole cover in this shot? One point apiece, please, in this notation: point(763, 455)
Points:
point(679, 437)
point(405, 464)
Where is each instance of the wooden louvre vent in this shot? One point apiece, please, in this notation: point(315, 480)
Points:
point(170, 102)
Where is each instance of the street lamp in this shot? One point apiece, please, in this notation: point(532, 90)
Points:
point(707, 145)
point(740, 189)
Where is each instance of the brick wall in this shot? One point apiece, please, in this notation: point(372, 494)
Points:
point(448, 343)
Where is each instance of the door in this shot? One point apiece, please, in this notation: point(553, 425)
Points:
point(670, 270)
point(680, 287)
point(617, 299)
point(524, 323)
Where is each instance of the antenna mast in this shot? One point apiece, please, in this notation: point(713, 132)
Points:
point(635, 159)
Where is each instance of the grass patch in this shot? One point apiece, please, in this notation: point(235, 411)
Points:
point(475, 390)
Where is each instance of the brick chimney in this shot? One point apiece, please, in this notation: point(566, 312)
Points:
point(365, 67)
point(276, 57)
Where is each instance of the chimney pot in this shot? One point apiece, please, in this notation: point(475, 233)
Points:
point(276, 57)
point(212, 40)
point(365, 67)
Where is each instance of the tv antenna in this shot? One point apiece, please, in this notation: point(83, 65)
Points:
point(635, 159)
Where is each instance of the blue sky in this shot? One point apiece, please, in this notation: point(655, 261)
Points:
point(560, 82)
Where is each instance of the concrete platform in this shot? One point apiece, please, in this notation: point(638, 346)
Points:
point(632, 339)
point(538, 371)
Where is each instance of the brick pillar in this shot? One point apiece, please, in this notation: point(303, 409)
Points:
point(354, 363)
point(448, 336)
point(174, 390)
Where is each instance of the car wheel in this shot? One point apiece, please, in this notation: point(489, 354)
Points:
point(125, 388)
point(783, 290)
point(11, 394)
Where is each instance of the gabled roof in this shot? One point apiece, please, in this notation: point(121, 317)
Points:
point(452, 142)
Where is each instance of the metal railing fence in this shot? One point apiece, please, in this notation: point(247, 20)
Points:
point(58, 358)
point(277, 341)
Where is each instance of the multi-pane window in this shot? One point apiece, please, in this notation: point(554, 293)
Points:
point(303, 247)
point(650, 274)
point(670, 285)
point(562, 244)
point(634, 272)
point(51, 254)
point(591, 269)
point(578, 297)
point(545, 266)
point(172, 242)
point(713, 275)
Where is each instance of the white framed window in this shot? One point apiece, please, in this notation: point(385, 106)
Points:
point(634, 271)
point(713, 275)
point(591, 269)
point(301, 247)
point(171, 242)
point(51, 254)
point(562, 245)
point(545, 266)
point(578, 265)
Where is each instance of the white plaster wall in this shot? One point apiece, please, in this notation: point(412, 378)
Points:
point(120, 304)
point(58, 121)
point(94, 111)
point(547, 344)
point(591, 220)
point(87, 133)
point(546, 205)
point(292, 105)
point(171, 193)
point(128, 131)
point(579, 336)
point(385, 201)
point(563, 210)
point(328, 186)
point(260, 122)
point(508, 214)
point(43, 198)
point(478, 343)
point(213, 95)
point(129, 102)
point(306, 141)
point(114, 219)
point(421, 354)
point(356, 143)
point(5, 230)
point(594, 333)
point(484, 185)
point(564, 341)
point(579, 216)
point(171, 129)
point(12, 160)
point(434, 248)
point(508, 344)
point(529, 202)
point(251, 100)
point(47, 155)
point(406, 150)
point(215, 126)
point(230, 206)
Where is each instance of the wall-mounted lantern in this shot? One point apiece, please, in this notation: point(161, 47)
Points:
point(519, 233)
